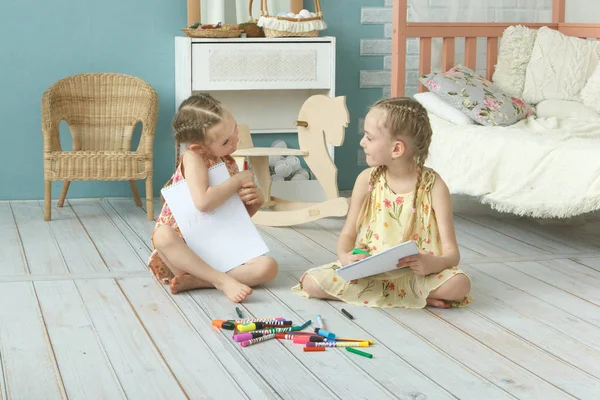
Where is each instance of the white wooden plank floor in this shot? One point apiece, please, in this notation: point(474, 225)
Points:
point(83, 317)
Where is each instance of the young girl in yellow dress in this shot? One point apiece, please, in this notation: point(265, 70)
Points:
point(396, 200)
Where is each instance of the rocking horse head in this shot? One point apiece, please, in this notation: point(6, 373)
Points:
point(325, 114)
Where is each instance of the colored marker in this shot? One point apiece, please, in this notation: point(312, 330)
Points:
point(218, 322)
point(337, 344)
point(239, 312)
point(241, 337)
point(360, 353)
point(360, 251)
point(292, 335)
point(304, 325)
point(285, 336)
point(302, 339)
point(317, 338)
point(320, 321)
point(252, 326)
point(247, 343)
point(280, 330)
point(347, 314)
point(323, 332)
point(314, 349)
point(268, 331)
point(229, 325)
point(370, 341)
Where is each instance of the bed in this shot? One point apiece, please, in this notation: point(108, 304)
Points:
point(544, 165)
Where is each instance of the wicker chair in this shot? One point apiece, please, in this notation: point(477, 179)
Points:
point(102, 111)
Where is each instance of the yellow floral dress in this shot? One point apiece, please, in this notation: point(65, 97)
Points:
point(383, 228)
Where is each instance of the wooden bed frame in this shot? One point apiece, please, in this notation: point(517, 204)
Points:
point(449, 31)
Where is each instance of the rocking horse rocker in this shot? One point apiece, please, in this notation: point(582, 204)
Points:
point(321, 120)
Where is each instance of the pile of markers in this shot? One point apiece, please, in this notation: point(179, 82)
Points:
point(248, 332)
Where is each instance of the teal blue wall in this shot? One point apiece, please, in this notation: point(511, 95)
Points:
point(343, 22)
point(44, 41)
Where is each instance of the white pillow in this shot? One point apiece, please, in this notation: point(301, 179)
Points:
point(559, 67)
point(515, 50)
point(438, 107)
point(590, 94)
point(566, 109)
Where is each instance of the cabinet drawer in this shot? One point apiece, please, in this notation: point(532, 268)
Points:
point(255, 66)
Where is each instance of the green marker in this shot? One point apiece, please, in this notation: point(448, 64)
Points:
point(360, 353)
point(360, 251)
point(239, 312)
point(299, 328)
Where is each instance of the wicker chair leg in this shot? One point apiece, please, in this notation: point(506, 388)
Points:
point(136, 194)
point(149, 199)
point(63, 194)
point(47, 200)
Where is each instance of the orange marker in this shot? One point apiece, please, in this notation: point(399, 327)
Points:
point(314, 349)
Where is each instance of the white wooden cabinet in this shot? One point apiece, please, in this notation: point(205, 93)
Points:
point(263, 81)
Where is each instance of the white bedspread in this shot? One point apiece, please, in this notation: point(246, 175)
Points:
point(539, 167)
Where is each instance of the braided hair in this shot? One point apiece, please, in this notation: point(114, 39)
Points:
point(195, 116)
point(404, 118)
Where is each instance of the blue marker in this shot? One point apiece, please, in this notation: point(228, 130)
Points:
point(320, 321)
point(327, 334)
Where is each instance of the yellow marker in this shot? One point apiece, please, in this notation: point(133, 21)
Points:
point(246, 327)
point(355, 340)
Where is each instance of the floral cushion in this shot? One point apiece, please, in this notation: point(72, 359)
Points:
point(477, 97)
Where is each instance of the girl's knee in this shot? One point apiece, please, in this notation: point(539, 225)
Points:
point(461, 285)
point(269, 268)
point(164, 236)
point(311, 288)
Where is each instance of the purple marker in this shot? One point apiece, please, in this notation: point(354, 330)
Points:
point(240, 337)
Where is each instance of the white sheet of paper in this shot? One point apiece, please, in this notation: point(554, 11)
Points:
point(225, 237)
point(381, 262)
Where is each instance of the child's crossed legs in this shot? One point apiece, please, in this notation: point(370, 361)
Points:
point(191, 272)
point(454, 289)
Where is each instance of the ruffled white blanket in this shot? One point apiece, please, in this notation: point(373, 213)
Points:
point(539, 167)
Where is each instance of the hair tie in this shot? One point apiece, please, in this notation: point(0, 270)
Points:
point(370, 188)
point(414, 210)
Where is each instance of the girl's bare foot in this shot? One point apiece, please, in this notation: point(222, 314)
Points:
point(184, 282)
point(233, 289)
point(437, 303)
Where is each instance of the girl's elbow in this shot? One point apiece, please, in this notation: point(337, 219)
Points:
point(456, 258)
point(203, 206)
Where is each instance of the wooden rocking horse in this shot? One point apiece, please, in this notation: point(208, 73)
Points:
point(321, 120)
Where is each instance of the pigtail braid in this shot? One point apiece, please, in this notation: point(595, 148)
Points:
point(408, 230)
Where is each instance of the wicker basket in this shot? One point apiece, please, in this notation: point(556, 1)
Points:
point(251, 28)
point(233, 32)
point(295, 26)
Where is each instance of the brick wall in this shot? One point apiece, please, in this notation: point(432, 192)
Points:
point(436, 10)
